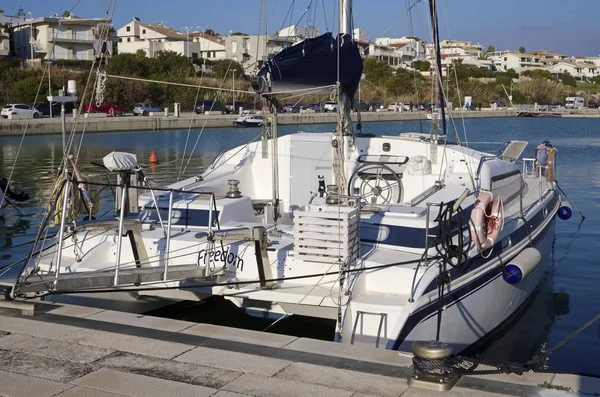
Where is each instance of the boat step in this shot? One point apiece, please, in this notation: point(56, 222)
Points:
point(132, 277)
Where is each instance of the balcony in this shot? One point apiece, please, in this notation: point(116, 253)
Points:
point(71, 37)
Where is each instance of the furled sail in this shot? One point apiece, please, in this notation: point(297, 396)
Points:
point(312, 63)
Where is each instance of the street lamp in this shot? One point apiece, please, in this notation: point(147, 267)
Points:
point(233, 88)
point(31, 34)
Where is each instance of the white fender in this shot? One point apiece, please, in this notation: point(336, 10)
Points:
point(522, 265)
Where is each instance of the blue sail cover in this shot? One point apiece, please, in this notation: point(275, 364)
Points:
point(314, 63)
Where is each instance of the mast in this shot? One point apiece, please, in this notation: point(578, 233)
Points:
point(345, 16)
point(438, 60)
point(344, 127)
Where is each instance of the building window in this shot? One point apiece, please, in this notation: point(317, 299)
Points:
point(129, 28)
point(214, 53)
point(194, 55)
point(120, 40)
point(143, 31)
point(129, 39)
point(504, 59)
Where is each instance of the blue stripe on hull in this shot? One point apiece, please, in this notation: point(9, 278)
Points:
point(475, 285)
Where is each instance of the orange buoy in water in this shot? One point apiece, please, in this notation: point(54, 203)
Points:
point(153, 158)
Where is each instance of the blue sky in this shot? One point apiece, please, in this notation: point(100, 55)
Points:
point(566, 26)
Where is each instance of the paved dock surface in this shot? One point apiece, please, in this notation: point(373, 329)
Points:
point(64, 350)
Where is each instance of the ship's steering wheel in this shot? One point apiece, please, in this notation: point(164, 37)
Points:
point(376, 184)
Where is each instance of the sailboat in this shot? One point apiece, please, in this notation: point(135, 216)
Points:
point(395, 238)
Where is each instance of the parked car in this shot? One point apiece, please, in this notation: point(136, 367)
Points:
point(374, 106)
point(112, 108)
point(360, 105)
point(145, 109)
point(238, 105)
point(593, 105)
point(291, 108)
point(314, 107)
point(330, 106)
point(19, 108)
point(209, 106)
point(396, 107)
point(44, 108)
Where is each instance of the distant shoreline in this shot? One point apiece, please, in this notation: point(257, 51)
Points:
point(101, 123)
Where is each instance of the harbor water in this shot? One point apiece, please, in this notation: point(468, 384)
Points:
point(566, 300)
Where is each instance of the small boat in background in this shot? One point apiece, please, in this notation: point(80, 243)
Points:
point(249, 118)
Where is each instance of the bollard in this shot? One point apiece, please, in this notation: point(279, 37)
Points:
point(429, 372)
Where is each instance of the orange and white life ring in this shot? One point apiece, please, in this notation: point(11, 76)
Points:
point(487, 220)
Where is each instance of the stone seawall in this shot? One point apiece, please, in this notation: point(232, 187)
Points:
point(101, 123)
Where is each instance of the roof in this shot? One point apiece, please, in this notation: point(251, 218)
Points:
point(577, 65)
point(397, 45)
point(215, 39)
point(168, 32)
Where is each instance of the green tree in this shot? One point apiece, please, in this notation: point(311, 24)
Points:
point(596, 80)
point(522, 50)
point(25, 90)
point(225, 68)
point(169, 65)
point(422, 66)
point(133, 65)
point(568, 79)
point(490, 49)
point(210, 32)
point(238, 34)
point(539, 74)
point(377, 72)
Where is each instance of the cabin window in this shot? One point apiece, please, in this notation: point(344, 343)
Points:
point(386, 147)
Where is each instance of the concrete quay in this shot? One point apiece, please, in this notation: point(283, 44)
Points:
point(103, 123)
point(62, 350)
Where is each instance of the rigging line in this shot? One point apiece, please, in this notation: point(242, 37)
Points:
point(199, 80)
point(74, 126)
point(325, 15)
point(233, 155)
point(180, 84)
point(573, 334)
point(290, 312)
point(103, 37)
point(469, 159)
point(46, 69)
point(220, 89)
point(401, 17)
point(225, 284)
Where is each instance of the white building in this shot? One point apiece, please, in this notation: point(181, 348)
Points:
point(579, 70)
point(6, 23)
point(359, 34)
point(448, 59)
point(252, 51)
point(58, 38)
point(465, 48)
point(581, 59)
point(396, 52)
point(518, 62)
point(550, 57)
point(299, 32)
point(152, 38)
point(210, 47)
point(414, 43)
